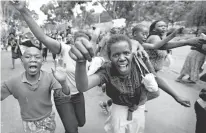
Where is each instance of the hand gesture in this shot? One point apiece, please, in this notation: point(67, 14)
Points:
point(183, 101)
point(142, 53)
point(178, 31)
point(59, 71)
point(82, 50)
point(18, 4)
point(196, 41)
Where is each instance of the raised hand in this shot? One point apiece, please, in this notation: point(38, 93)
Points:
point(196, 41)
point(183, 101)
point(82, 50)
point(59, 71)
point(18, 4)
point(178, 31)
point(142, 53)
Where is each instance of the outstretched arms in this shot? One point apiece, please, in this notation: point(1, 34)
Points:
point(165, 87)
point(154, 42)
point(196, 42)
point(50, 43)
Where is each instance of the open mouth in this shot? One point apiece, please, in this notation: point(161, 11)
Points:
point(33, 68)
point(123, 67)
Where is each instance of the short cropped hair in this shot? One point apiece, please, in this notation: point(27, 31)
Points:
point(137, 28)
point(117, 38)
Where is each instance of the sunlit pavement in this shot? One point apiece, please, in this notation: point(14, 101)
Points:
point(164, 114)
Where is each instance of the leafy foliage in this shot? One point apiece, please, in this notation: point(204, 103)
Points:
point(62, 10)
point(170, 11)
point(13, 18)
point(197, 16)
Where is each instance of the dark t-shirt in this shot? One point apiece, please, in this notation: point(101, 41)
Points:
point(123, 90)
point(12, 42)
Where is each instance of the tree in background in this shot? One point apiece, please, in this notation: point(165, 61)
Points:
point(137, 11)
point(170, 11)
point(87, 16)
point(60, 11)
point(12, 17)
point(197, 16)
point(119, 9)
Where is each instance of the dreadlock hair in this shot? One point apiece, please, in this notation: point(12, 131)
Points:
point(115, 39)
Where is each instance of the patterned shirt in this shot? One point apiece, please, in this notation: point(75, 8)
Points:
point(127, 91)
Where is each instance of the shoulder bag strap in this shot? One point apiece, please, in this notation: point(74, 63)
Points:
point(142, 63)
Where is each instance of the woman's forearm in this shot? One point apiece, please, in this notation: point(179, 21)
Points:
point(165, 87)
point(81, 76)
point(65, 88)
point(174, 44)
point(159, 44)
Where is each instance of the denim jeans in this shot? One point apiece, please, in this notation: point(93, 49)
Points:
point(71, 111)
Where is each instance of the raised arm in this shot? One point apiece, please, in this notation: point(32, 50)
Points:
point(84, 82)
point(154, 42)
point(195, 41)
point(82, 51)
point(165, 87)
point(50, 43)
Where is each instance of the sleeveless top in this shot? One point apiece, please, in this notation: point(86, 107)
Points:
point(157, 57)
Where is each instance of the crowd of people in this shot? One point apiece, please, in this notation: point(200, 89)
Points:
point(126, 67)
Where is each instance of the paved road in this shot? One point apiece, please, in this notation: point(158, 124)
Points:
point(164, 114)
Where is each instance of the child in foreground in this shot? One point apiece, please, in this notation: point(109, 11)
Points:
point(33, 89)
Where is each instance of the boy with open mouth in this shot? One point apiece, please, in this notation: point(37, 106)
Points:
point(33, 89)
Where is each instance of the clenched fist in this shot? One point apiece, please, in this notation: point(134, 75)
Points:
point(82, 50)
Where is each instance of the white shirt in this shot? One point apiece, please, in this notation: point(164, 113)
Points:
point(70, 68)
point(71, 65)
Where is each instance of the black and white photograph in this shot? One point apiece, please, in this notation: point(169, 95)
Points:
point(103, 66)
